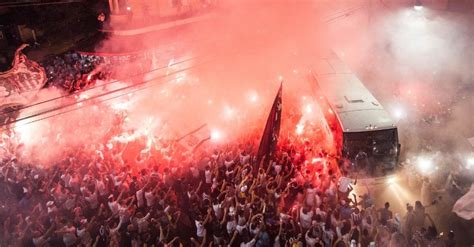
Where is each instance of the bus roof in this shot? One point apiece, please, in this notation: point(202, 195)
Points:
point(357, 109)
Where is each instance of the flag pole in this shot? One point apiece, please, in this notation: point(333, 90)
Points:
point(269, 140)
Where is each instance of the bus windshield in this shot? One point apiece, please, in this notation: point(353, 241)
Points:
point(375, 151)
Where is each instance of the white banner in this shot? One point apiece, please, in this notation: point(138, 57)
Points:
point(22, 81)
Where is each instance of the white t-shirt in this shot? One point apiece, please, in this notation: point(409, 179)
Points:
point(217, 208)
point(66, 178)
point(140, 199)
point(276, 243)
point(230, 226)
point(84, 236)
point(328, 236)
point(39, 241)
point(344, 183)
point(100, 186)
point(69, 238)
point(123, 213)
point(74, 182)
point(208, 176)
point(114, 207)
point(239, 228)
point(277, 168)
point(69, 204)
point(93, 201)
point(248, 244)
point(117, 181)
point(306, 219)
point(200, 230)
point(231, 211)
point(143, 223)
point(241, 219)
point(228, 163)
point(310, 242)
point(318, 200)
point(244, 159)
point(310, 196)
point(150, 199)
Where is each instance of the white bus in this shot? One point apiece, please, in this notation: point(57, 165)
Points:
point(363, 131)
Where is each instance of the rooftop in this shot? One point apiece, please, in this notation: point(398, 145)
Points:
point(357, 108)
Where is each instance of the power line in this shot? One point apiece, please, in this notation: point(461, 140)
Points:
point(14, 5)
point(95, 86)
point(77, 108)
point(215, 57)
point(114, 81)
point(344, 13)
point(108, 83)
point(90, 99)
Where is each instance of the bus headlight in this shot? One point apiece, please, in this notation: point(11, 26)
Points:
point(425, 165)
point(470, 162)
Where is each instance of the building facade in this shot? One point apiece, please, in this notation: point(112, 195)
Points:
point(135, 13)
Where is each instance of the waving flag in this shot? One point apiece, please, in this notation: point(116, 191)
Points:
point(19, 84)
point(192, 140)
point(464, 207)
point(270, 135)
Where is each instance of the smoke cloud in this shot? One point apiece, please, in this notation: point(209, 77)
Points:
point(224, 71)
point(419, 64)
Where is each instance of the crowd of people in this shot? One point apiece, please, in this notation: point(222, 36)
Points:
point(219, 197)
point(73, 71)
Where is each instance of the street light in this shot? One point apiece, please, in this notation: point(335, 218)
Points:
point(425, 165)
point(418, 5)
point(215, 135)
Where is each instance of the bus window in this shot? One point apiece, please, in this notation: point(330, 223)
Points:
point(379, 147)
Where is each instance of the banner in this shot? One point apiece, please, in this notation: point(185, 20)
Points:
point(464, 207)
point(195, 138)
point(270, 135)
point(21, 82)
